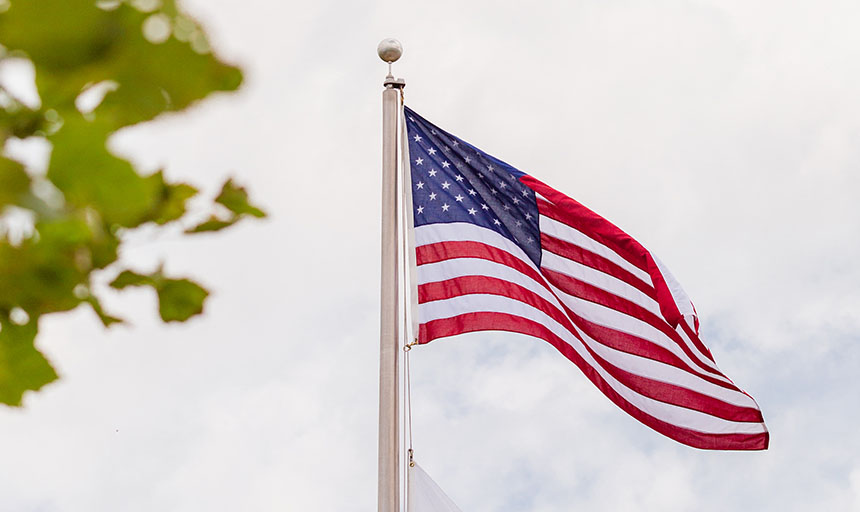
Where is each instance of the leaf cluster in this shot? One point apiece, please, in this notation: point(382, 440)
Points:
point(100, 66)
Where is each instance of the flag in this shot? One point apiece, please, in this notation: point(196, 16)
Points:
point(498, 250)
point(425, 495)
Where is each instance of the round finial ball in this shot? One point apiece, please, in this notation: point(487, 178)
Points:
point(389, 50)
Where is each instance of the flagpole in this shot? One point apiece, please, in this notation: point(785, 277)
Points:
point(388, 498)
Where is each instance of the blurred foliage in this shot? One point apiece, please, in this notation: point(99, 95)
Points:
point(100, 66)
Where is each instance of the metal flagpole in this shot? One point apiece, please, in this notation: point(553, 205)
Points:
point(389, 50)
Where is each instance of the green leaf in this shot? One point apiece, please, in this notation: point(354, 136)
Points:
point(145, 64)
point(213, 223)
point(235, 199)
point(90, 176)
point(180, 299)
point(66, 40)
point(73, 43)
point(106, 319)
point(171, 200)
point(153, 78)
point(19, 121)
point(59, 35)
point(14, 182)
point(128, 278)
point(40, 275)
point(22, 366)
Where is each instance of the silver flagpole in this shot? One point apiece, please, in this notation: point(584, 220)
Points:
point(388, 500)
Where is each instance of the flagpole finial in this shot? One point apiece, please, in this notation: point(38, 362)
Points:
point(389, 50)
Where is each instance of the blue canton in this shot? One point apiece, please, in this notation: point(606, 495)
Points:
point(453, 181)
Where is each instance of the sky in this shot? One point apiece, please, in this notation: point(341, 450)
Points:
point(722, 135)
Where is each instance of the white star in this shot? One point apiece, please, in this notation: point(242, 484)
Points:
point(445, 165)
point(512, 177)
point(432, 151)
point(530, 240)
point(417, 138)
point(528, 216)
point(525, 192)
point(480, 175)
point(432, 196)
point(445, 185)
point(519, 223)
point(516, 200)
point(468, 159)
point(472, 211)
point(445, 207)
point(420, 209)
point(419, 185)
point(456, 143)
point(459, 198)
point(433, 132)
point(419, 161)
point(496, 222)
point(506, 207)
point(446, 149)
point(459, 178)
point(484, 207)
point(494, 191)
point(502, 184)
point(472, 192)
point(490, 168)
point(432, 172)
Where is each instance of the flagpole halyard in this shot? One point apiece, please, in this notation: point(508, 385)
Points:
point(389, 50)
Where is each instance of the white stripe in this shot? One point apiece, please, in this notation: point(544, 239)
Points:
point(694, 348)
point(663, 372)
point(461, 231)
point(623, 322)
point(685, 306)
point(568, 234)
point(465, 231)
point(602, 280)
point(564, 232)
point(460, 267)
point(673, 414)
point(682, 300)
point(619, 288)
point(639, 365)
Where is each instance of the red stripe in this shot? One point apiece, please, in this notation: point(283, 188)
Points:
point(431, 253)
point(696, 341)
point(466, 285)
point(655, 389)
point(595, 227)
point(637, 346)
point(677, 395)
point(578, 254)
point(590, 259)
point(597, 295)
point(571, 212)
point(612, 338)
point(483, 321)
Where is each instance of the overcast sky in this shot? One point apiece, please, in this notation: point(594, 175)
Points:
point(724, 135)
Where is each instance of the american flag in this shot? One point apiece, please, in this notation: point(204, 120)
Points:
point(498, 250)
